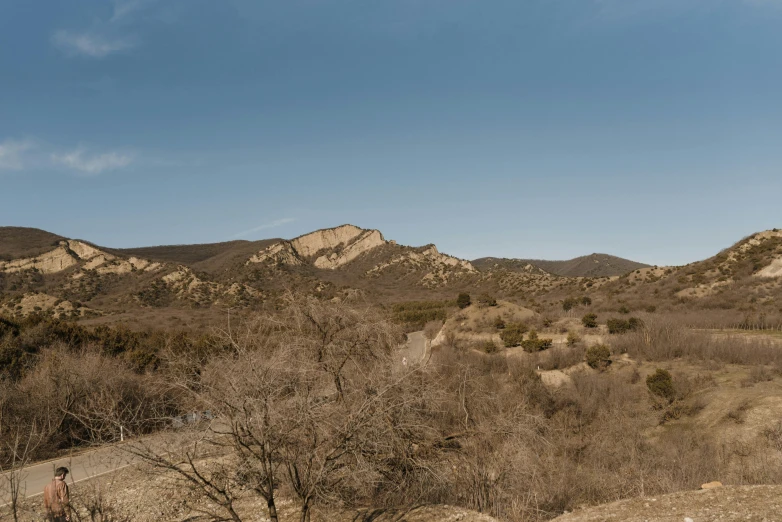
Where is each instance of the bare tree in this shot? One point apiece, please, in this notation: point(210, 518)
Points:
point(308, 398)
point(197, 463)
point(19, 446)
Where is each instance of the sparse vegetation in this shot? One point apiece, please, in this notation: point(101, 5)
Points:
point(589, 321)
point(486, 300)
point(598, 356)
point(416, 314)
point(503, 434)
point(618, 326)
point(513, 334)
point(535, 344)
point(490, 347)
point(660, 384)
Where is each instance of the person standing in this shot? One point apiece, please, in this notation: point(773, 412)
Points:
point(56, 498)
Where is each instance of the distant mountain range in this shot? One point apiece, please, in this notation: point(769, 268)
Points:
point(43, 273)
point(593, 265)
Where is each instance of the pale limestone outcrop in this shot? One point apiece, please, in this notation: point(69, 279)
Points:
point(336, 246)
point(84, 251)
point(772, 270)
point(430, 257)
point(310, 244)
point(34, 302)
point(182, 273)
point(281, 252)
point(364, 242)
point(238, 290)
point(185, 284)
point(441, 267)
point(755, 240)
point(96, 261)
point(70, 253)
point(125, 266)
point(51, 262)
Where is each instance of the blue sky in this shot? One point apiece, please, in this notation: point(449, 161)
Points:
point(649, 129)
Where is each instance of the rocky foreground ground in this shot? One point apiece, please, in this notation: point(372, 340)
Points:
point(724, 504)
point(139, 494)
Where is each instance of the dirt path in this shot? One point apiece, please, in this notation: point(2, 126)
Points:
point(415, 349)
point(726, 504)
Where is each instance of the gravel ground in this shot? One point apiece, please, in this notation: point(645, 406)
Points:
point(725, 504)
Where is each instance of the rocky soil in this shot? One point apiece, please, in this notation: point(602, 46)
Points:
point(724, 504)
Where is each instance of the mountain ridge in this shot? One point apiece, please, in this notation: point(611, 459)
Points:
point(591, 265)
point(46, 273)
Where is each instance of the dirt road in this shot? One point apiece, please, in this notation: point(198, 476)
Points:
point(82, 466)
point(415, 349)
point(86, 465)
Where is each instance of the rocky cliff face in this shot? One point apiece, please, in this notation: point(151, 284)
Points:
point(330, 248)
point(282, 252)
point(439, 268)
point(335, 248)
point(73, 252)
point(347, 252)
point(49, 263)
point(328, 239)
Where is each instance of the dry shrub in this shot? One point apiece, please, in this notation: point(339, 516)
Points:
point(315, 393)
point(661, 339)
point(759, 373)
point(85, 397)
point(739, 413)
point(598, 356)
point(557, 358)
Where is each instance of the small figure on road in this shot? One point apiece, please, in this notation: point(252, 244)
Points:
point(56, 499)
point(404, 361)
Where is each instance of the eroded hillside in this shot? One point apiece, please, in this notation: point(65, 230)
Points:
point(45, 273)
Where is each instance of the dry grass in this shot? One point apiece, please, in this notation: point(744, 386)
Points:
point(482, 431)
point(662, 339)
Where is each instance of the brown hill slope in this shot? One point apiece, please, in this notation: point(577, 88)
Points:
point(45, 271)
point(593, 265)
point(209, 257)
point(18, 242)
point(38, 269)
point(743, 281)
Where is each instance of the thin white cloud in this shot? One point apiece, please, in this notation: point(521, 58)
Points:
point(85, 44)
point(92, 164)
point(12, 154)
point(272, 224)
point(123, 8)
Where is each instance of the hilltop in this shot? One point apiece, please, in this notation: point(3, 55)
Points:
point(741, 282)
point(593, 265)
point(18, 242)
